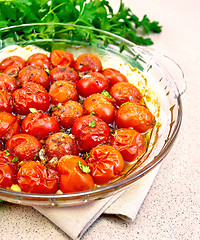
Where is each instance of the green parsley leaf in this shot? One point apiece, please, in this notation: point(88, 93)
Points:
point(84, 168)
point(33, 110)
point(106, 93)
point(87, 155)
point(15, 159)
point(92, 124)
point(7, 152)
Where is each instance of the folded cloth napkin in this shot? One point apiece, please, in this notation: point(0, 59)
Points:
point(125, 205)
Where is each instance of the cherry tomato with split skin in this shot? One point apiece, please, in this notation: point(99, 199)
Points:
point(72, 177)
point(60, 144)
point(135, 115)
point(34, 177)
point(105, 163)
point(90, 131)
point(9, 125)
point(23, 146)
point(34, 74)
point(63, 73)
point(91, 83)
point(39, 60)
point(114, 76)
point(12, 65)
point(88, 62)
point(8, 169)
point(61, 58)
point(63, 91)
point(31, 95)
point(101, 106)
point(67, 113)
point(124, 92)
point(8, 83)
point(5, 101)
point(129, 142)
point(40, 125)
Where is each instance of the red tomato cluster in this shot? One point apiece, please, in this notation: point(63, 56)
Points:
point(67, 124)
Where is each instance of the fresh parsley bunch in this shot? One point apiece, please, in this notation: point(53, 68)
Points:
point(93, 13)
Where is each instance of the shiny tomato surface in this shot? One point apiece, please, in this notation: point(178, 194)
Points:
point(61, 58)
point(12, 65)
point(5, 101)
point(40, 60)
point(63, 73)
point(72, 178)
point(8, 83)
point(114, 76)
point(105, 163)
point(39, 125)
point(90, 131)
point(34, 177)
point(129, 142)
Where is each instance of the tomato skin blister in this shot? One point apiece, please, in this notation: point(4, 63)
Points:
point(67, 124)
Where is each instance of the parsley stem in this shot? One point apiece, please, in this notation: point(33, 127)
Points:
point(52, 10)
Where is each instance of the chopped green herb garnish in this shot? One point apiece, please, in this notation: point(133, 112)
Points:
point(36, 155)
point(106, 93)
point(15, 159)
point(92, 124)
point(33, 110)
point(7, 152)
point(87, 154)
point(125, 103)
point(92, 113)
point(84, 168)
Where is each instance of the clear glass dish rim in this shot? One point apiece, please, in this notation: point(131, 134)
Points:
point(122, 183)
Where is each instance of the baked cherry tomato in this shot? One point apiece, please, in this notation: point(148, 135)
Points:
point(63, 73)
point(9, 125)
point(31, 95)
point(129, 142)
point(68, 113)
point(23, 146)
point(5, 101)
point(101, 106)
point(93, 82)
point(8, 169)
point(72, 177)
point(136, 116)
point(88, 62)
point(34, 74)
point(114, 76)
point(40, 60)
point(61, 58)
point(7, 83)
point(124, 92)
point(60, 144)
point(34, 177)
point(63, 91)
point(39, 125)
point(90, 131)
point(12, 65)
point(105, 163)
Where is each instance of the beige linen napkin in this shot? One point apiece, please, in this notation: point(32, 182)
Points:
point(74, 221)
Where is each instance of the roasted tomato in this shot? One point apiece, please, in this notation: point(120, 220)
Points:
point(63, 73)
point(34, 177)
point(74, 174)
point(101, 106)
point(7, 83)
point(90, 131)
point(12, 65)
point(8, 169)
point(114, 76)
point(5, 101)
point(23, 146)
point(9, 126)
point(68, 113)
point(60, 144)
point(34, 74)
point(61, 58)
point(93, 82)
point(136, 116)
point(88, 62)
point(40, 125)
point(124, 92)
point(63, 91)
point(40, 60)
point(129, 142)
point(31, 95)
point(105, 163)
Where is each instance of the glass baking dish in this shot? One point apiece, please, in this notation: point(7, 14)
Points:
point(158, 77)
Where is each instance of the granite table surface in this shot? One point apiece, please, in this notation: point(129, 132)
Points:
point(171, 209)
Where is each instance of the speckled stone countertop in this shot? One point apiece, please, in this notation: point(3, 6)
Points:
point(171, 210)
